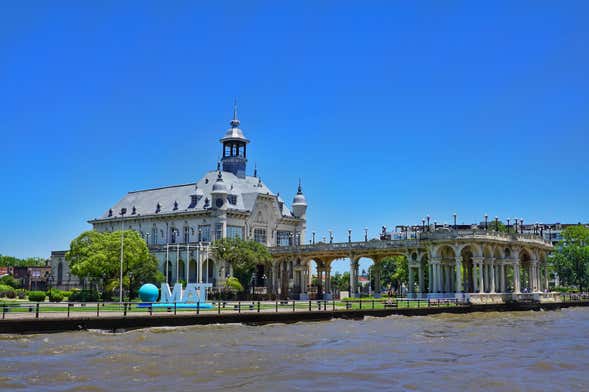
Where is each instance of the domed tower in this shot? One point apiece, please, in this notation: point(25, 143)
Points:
point(299, 204)
point(234, 148)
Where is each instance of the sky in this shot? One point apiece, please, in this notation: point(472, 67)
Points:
point(388, 111)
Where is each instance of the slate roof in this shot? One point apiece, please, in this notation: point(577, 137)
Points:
point(146, 201)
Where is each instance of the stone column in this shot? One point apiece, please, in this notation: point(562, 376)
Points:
point(516, 283)
point(420, 277)
point(353, 277)
point(481, 283)
point(410, 288)
point(434, 262)
point(458, 274)
point(430, 279)
point(492, 268)
point(447, 278)
point(328, 279)
point(503, 288)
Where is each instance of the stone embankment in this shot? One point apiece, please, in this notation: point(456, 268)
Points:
point(114, 323)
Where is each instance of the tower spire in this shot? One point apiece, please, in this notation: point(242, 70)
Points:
point(300, 190)
point(235, 121)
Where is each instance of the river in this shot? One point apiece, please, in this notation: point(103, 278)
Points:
point(518, 351)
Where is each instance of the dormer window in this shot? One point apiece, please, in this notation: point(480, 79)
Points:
point(158, 208)
point(194, 199)
point(134, 211)
point(110, 212)
point(232, 199)
point(206, 180)
point(207, 203)
point(175, 205)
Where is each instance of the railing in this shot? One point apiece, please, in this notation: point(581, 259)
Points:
point(411, 242)
point(27, 310)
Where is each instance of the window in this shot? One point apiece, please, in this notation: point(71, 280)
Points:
point(154, 235)
point(218, 231)
point(232, 199)
point(204, 233)
point(260, 236)
point(235, 232)
point(186, 235)
point(173, 235)
point(284, 238)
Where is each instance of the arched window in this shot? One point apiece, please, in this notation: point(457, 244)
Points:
point(59, 273)
point(186, 234)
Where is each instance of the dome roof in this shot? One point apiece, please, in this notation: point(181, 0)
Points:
point(299, 198)
point(234, 133)
point(219, 186)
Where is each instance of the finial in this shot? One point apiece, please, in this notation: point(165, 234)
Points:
point(300, 191)
point(219, 166)
point(255, 169)
point(235, 121)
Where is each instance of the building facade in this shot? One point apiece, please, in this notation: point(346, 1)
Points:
point(180, 223)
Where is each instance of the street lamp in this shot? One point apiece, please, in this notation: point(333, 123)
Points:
point(331, 236)
point(496, 224)
point(123, 212)
point(423, 225)
point(428, 228)
point(349, 235)
point(366, 234)
point(521, 226)
point(486, 222)
point(314, 238)
point(455, 215)
point(508, 226)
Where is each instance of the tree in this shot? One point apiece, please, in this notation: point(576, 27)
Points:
point(97, 255)
point(393, 271)
point(243, 256)
point(341, 281)
point(10, 261)
point(571, 259)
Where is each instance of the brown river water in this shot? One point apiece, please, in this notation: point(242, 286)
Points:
point(519, 351)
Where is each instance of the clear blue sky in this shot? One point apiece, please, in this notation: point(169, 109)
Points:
point(389, 111)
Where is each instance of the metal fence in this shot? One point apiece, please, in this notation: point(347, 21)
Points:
point(12, 310)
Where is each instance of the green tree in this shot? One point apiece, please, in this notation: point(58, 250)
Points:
point(393, 271)
point(341, 281)
point(571, 259)
point(10, 261)
point(97, 255)
point(243, 256)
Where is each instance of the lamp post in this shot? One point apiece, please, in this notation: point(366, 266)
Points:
point(486, 222)
point(496, 224)
point(123, 212)
point(428, 228)
point(349, 235)
point(455, 215)
point(331, 236)
point(366, 234)
point(422, 225)
point(314, 238)
point(508, 226)
point(521, 226)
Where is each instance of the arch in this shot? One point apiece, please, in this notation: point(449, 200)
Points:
point(476, 249)
point(192, 271)
point(60, 273)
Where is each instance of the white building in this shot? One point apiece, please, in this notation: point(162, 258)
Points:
point(179, 221)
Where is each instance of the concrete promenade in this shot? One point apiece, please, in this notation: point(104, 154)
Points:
point(117, 321)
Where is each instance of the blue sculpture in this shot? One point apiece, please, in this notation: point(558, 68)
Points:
point(149, 293)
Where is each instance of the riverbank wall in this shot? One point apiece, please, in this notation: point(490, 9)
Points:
point(123, 323)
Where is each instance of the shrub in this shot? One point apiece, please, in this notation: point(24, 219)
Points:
point(234, 284)
point(9, 281)
point(37, 296)
point(67, 294)
point(7, 291)
point(55, 296)
point(83, 296)
point(21, 293)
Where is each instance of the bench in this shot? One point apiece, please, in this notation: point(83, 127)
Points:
point(243, 306)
